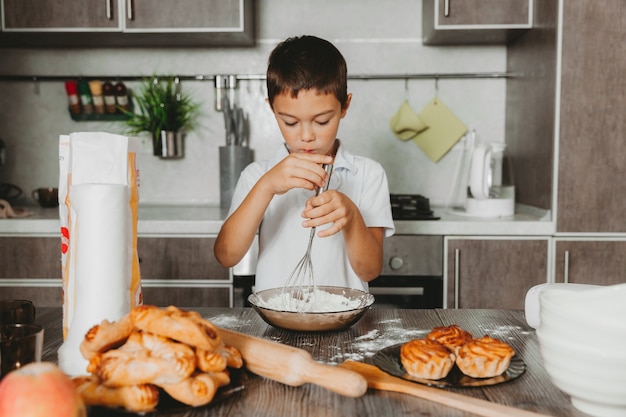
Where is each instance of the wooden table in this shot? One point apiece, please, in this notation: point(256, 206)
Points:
point(377, 329)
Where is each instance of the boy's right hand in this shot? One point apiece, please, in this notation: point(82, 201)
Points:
point(297, 170)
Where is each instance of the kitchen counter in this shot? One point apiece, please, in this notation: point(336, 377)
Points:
point(379, 328)
point(189, 220)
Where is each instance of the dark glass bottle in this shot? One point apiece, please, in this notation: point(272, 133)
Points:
point(108, 91)
point(121, 96)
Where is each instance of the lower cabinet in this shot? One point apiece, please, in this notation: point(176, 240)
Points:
point(493, 272)
point(179, 271)
point(183, 271)
point(599, 261)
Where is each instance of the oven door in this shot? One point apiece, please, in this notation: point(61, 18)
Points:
point(412, 275)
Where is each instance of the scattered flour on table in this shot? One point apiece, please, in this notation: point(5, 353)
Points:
point(367, 345)
point(322, 302)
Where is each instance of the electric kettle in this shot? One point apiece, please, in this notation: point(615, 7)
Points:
point(7, 191)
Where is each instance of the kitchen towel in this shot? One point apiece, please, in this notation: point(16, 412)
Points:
point(100, 244)
point(98, 199)
point(405, 123)
point(444, 130)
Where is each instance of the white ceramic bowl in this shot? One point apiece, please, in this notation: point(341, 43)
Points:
point(595, 383)
point(582, 339)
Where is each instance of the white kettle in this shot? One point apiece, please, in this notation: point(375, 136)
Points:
point(488, 196)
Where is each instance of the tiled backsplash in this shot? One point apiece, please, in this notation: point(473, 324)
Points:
point(374, 40)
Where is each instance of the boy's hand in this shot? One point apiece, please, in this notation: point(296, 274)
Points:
point(297, 170)
point(331, 206)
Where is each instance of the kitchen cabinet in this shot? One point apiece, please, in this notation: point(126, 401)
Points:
point(493, 273)
point(183, 271)
point(582, 261)
point(453, 22)
point(30, 268)
point(174, 270)
point(127, 22)
point(591, 192)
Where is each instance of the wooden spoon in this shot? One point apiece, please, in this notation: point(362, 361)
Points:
point(380, 380)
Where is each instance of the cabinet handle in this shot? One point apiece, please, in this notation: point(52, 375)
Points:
point(446, 8)
point(566, 267)
point(109, 9)
point(457, 278)
point(129, 10)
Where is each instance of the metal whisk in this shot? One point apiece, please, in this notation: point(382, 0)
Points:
point(298, 291)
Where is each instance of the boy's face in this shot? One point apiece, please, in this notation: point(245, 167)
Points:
point(309, 122)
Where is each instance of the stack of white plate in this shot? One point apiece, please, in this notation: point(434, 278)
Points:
point(582, 337)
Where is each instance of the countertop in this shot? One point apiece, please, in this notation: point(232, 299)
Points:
point(378, 328)
point(207, 220)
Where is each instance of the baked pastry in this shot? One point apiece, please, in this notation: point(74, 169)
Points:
point(105, 336)
point(144, 359)
point(425, 358)
point(198, 389)
point(135, 398)
point(183, 326)
point(485, 357)
point(452, 337)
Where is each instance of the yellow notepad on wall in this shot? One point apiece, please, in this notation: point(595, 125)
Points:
point(444, 130)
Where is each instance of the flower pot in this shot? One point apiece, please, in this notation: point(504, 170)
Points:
point(169, 145)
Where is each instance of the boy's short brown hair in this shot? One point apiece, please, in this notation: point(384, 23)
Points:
point(304, 63)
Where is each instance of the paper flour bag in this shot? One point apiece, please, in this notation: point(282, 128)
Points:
point(98, 198)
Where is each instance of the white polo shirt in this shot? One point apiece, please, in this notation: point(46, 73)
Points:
point(282, 239)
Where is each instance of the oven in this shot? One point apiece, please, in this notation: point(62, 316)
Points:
point(412, 275)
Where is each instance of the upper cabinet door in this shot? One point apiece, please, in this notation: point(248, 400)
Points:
point(126, 23)
point(183, 15)
point(483, 12)
point(452, 22)
point(55, 15)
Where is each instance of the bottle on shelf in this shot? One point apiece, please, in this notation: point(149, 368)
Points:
point(95, 87)
point(85, 97)
point(71, 87)
point(121, 96)
point(108, 91)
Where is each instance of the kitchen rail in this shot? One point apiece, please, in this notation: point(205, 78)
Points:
point(245, 77)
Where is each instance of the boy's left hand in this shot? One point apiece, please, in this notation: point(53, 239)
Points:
point(330, 206)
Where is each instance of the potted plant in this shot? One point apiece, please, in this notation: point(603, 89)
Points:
point(165, 112)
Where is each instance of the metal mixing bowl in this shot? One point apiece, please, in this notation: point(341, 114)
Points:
point(312, 321)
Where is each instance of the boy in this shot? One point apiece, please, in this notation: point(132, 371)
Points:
point(307, 92)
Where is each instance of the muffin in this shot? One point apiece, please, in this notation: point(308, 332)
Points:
point(485, 357)
point(428, 359)
point(452, 337)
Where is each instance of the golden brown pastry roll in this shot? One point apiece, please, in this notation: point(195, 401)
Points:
point(144, 359)
point(134, 398)
point(183, 326)
point(425, 358)
point(452, 337)
point(198, 389)
point(106, 335)
point(485, 357)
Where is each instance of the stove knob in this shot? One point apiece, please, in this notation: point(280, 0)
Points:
point(396, 263)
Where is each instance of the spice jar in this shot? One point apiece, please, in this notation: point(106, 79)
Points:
point(72, 94)
point(85, 97)
point(108, 91)
point(121, 96)
point(95, 87)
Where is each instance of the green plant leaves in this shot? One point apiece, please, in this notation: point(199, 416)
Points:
point(161, 107)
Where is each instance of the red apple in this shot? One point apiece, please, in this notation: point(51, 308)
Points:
point(39, 389)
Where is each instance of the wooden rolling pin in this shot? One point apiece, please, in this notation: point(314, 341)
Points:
point(381, 380)
point(292, 366)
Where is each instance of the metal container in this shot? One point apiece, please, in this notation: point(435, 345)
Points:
point(312, 321)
